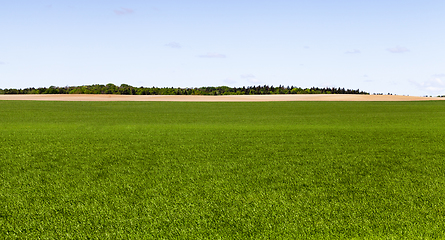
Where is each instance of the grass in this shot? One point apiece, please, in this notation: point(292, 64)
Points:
point(264, 170)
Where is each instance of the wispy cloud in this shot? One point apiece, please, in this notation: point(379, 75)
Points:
point(254, 80)
point(328, 84)
point(307, 47)
point(367, 78)
point(250, 78)
point(247, 76)
point(439, 75)
point(212, 55)
point(398, 49)
point(355, 51)
point(434, 85)
point(229, 81)
point(1, 63)
point(173, 45)
point(123, 11)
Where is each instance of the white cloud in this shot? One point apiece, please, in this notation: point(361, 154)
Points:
point(173, 45)
point(398, 49)
point(355, 51)
point(123, 11)
point(212, 55)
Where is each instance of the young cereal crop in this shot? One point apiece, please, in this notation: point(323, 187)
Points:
point(182, 170)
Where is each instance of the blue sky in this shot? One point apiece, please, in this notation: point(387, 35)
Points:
point(376, 46)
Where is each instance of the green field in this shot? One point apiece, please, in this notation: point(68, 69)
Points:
point(262, 170)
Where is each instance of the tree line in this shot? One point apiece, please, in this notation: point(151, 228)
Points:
point(125, 89)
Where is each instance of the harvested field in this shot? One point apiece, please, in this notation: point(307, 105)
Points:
point(227, 98)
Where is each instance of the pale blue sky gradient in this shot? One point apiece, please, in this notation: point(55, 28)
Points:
point(377, 46)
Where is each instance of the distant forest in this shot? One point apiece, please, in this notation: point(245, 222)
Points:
point(125, 89)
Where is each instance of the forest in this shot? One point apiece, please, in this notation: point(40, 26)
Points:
point(125, 89)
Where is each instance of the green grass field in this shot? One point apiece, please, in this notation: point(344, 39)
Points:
point(263, 170)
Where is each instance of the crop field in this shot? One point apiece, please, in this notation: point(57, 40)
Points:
point(250, 170)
